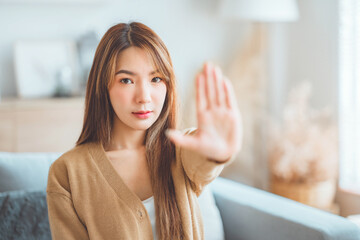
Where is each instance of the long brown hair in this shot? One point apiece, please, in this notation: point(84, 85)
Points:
point(99, 115)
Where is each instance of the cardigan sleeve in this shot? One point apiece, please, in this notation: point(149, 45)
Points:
point(64, 222)
point(63, 219)
point(199, 169)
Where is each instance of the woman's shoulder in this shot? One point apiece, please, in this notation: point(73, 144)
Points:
point(67, 164)
point(78, 155)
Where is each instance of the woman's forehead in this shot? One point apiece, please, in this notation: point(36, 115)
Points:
point(135, 59)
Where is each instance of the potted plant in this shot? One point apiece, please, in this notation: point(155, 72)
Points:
point(302, 153)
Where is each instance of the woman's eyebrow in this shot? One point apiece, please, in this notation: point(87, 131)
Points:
point(153, 72)
point(125, 71)
point(132, 73)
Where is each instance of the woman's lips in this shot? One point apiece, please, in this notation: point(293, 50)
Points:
point(142, 115)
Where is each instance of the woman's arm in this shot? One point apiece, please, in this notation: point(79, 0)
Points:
point(63, 218)
point(215, 142)
point(199, 170)
point(64, 222)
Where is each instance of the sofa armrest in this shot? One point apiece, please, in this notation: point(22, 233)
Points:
point(253, 214)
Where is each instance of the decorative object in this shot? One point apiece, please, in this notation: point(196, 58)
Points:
point(87, 45)
point(303, 152)
point(42, 66)
point(249, 75)
point(63, 82)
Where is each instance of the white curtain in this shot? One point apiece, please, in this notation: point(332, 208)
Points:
point(349, 93)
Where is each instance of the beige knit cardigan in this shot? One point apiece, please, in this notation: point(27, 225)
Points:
point(87, 198)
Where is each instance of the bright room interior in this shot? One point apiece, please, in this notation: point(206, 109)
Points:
point(294, 66)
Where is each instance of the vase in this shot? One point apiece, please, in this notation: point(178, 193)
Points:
point(318, 194)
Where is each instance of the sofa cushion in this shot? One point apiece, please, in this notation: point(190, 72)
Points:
point(213, 225)
point(25, 171)
point(23, 215)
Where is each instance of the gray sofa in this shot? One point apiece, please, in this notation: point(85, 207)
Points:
point(247, 213)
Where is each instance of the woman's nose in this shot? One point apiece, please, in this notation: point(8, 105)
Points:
point(143, 93)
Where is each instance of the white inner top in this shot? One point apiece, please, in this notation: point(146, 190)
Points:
point(213, 226)
point(150, 208)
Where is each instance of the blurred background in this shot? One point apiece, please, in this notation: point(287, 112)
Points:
point(294, 66)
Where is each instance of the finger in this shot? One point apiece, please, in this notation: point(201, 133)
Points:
point(209, 84)
point(200, 93)
point(218, 86)
point(181, 140)
point(229, 94)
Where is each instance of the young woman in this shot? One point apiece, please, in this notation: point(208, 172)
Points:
point(132, 175)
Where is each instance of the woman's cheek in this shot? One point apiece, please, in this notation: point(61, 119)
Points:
point(124, 96)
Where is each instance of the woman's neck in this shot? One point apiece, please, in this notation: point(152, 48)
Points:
point(124, 137)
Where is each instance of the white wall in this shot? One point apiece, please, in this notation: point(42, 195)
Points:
point(192, 30)
point(313, 51)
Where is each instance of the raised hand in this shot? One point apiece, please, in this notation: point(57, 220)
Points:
point(219, 132)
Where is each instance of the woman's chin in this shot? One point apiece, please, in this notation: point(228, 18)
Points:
point(142, 126)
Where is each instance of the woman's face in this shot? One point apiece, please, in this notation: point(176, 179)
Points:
point(137, 87)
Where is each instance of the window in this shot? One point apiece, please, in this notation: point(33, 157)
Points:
point(349, 94)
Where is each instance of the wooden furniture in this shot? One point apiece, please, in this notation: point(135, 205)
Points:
point(40, 125)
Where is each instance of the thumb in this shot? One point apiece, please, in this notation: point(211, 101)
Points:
point(181, 140)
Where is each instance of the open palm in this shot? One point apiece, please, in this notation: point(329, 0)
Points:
point(219, 132)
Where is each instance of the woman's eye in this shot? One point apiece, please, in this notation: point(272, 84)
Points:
point(157, 79)
point(125, 80)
